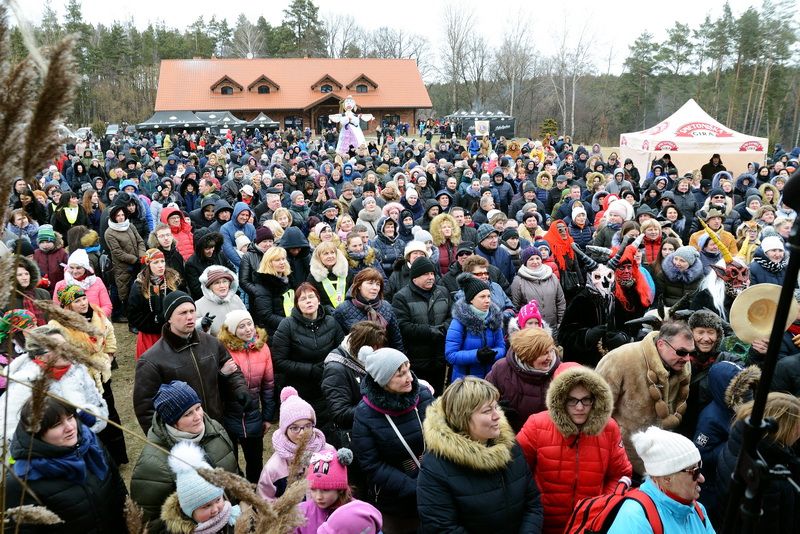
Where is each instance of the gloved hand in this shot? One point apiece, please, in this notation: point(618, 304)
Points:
point(486, 355)
point(206, 321)
point(612, 340)
point(595, 334)
point(246, 401)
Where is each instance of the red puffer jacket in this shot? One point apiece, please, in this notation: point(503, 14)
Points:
point(570, 463)
point(182, 234)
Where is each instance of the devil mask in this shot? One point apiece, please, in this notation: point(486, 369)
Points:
point(736, 276)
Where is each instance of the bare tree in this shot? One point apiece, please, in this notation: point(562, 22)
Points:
point(247, 40)
point(457, 21)
point(567, 67)
point(515, 59)
point(475, 68)
point(342, 36)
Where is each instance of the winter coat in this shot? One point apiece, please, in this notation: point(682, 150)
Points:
point(125, 247)
point(672, 284)
point(759, 274)
point(341, 380)
point(213, 305)
point(522, 391)
point(348, 314)
point(569, 462)
point(467, 334)
point(183, 234)
point(628, 370)
point(466, 486)
point(146, 312)
point(248, 270)
point(195, 360)
point(787, 374)
point(581, 235)
point(76, 386)
point(152, 481)
point(500, 259)
point(391, 472)
point(675, 516)
point(256, 366)
point(387, 250)
point(267, 305)
point(174, 521)
point(229, 229)
point(299, 348)
point(356, 265)
point(547, 292)
point(62, 225)
point(370, 220)
point(93, 506)
point(51, 264)
point(293, 238)
point(198, 221)
point(198, 263)
point(423, 318)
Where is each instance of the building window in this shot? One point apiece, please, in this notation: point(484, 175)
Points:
point(227, 90)
point(263, 89)
point(327, 88)
point(361, 88)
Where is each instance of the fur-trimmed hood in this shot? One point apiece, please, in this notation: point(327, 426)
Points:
point(472, 322)
point(689, 276)
point(320, 272)
point(775, 196)
point(234, 344)
point(436, 230)
point(740, 389)
point(32, 267)
point(368, 260)
point(559, 390)
point(446, 443)
point(207, 293)
point(539, 181)
point(175, 521)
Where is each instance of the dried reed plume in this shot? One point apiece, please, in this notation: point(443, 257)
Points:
point(134, 517)
point(69, 352)
point(39, 387)
point(30, 514)
point(67, 318)
point(299, 463)
point(7, 278)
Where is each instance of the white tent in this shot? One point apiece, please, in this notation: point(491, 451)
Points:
point(691, 136)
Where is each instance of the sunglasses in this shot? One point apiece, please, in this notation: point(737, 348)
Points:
point(694, 471)
point(681, 352)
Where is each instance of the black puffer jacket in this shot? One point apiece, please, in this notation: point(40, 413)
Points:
point(349, 314)
point(423, 321)
point(383, 458)
point(299, 348)
point(294, 238)
point(197, 262)
point(341, 382)
point(466, 486)
point(91, 507)
point(266, 304)
point(248, 270)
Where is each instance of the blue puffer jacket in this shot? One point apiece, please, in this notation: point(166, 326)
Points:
point(675, 517)
point(467, 334)
point(388, 251)
point(581, 236)
point(348, 314)
point(229, 229)
point(760, 275)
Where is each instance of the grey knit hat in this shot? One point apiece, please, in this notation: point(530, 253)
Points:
point(383, 363)
point(687, 253)
point(484, 231)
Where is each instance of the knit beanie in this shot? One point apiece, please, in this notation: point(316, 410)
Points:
point(510, 233)
point(293, 408)
point(687, 253)
point(702, 241)
point(233, 318)
point(193, 490)
point(772, 242)
point(69, 294)
point(81, 259)
point(173, 399)
point(216, 272)
point(484, 231)
point(421, 265)
point(327, 469)
point(241, 239)
point(381, 364)
point(415, 245)
point(542, 243)
point(752, 198)
point(528, 312)
point(577, 210)
point(151, 255)
point(46, 233)
point(717, 191)
point(617, 208)
point(355, 516)
point(295, 195)
point(15, 320)
point(263, 233)
point(706, 319)
point(471, 286)
point(173, 300)
point(663, 452)
point(423, 236)
point(528, 252)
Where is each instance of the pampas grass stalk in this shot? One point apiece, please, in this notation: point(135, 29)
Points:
point(30, 514)
point(68, 352)
point(134, 517)
point(67, 318)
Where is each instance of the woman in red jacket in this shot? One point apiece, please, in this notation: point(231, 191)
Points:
point(181, 230)
point(574, 449)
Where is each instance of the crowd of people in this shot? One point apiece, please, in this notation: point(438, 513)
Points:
point(459, 336)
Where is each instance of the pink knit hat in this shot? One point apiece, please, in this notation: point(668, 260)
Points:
point(529, 311)
point(328, 470)
point(293, 408)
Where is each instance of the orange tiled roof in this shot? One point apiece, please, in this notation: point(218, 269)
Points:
point(185, 84)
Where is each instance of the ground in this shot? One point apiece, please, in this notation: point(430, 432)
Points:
point(122, 384)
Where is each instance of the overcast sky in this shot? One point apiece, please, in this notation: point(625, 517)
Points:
point(614, 24)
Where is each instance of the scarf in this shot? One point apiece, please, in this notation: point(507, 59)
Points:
point(180, 435)
point(71, 214)
point(84, 283)
point(542, 273)
point(227, 516)
point(87, 455)
point(371, 310)
point(771, 266)
point(478, 313)
point(251, 345)
point(794, 329)
point(285, 448)
point(561, 249)
point(56, 373)
point(358, 256)
point(120, 227)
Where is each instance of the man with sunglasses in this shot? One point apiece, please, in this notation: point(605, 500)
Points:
point(649, 381)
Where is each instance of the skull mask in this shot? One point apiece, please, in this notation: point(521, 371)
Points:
point(602, 280)
point(736, 276)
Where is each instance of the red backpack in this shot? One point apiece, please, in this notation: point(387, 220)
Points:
point(595, 515)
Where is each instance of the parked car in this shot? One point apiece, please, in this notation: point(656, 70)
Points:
point(112, 130)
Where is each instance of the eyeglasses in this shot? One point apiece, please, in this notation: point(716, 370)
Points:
point(481, 274)
point(585, 401)
point(294, 429)
point(694, 471)
point(682, 353)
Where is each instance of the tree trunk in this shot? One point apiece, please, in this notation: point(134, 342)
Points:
point(572, 107)
point(762, 100)
point(717, 71)
point(734, 90)
point(749, 99)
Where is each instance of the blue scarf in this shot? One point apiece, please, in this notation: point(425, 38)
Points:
point(87, 454)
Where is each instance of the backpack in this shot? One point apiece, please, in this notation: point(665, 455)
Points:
point(595, 515)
